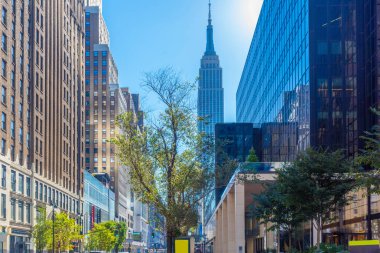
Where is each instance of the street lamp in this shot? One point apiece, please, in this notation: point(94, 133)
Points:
point(80, 216)
point(54, 206)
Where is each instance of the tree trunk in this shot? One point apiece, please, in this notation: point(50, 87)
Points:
point(319, 231)
point(290, 241)
point(169, 242)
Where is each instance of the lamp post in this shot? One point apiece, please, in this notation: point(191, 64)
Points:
point(54, 206)
point(80, 216)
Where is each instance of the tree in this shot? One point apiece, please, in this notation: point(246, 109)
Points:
point(107, 236)
point(164, 158)
point(101, 237)
point(370, 157)
point(271, 207)
point(317, 184)
point(120, 232)
point(41, 231)
point(66, 231)
point(252, 157)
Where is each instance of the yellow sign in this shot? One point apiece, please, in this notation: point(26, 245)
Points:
point(364, 243)
point(182, 246)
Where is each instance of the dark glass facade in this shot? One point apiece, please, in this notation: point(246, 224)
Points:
point(337, 90)
point(233, 141)
point(277, 71)
point(314, 63)
point(277, 146)
point(313, 67)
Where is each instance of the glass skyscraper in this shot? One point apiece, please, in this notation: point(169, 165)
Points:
point(314, 65)
point(210, 90)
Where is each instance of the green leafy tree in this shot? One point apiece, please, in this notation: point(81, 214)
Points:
point(165, 158)
point(317, 184)
point(120, 232)
point(272, 208)
point(101, 237)
point(370, 157)
point(66, 231)
point(252, 157)
point(41, 231)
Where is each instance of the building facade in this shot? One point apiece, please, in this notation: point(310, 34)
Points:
point(315, 71)
point(312, 67)
point(233, 141)
point(101, 72)
point(105, 100)
point(156, 236)
point(99, 201)
point(231, 227)
point(141, 227)
point(210, 89)
point(210, 104)
point(41, 114)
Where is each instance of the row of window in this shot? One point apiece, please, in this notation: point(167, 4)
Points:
point(96, 53)
point(4, 101)
point(23, 213)
point(104, 121)
point(96, 72)
point(22, 184)
point(13, 129)
point(96, 82)
point(3, 150)
point(4, 13)
point(104, 131)
point(50, 195)
point(104, 63)
point(104, 160)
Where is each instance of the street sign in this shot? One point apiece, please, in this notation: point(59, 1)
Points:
point(182, 246)
point(137, 236)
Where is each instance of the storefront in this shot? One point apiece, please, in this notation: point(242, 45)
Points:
point(19, 241)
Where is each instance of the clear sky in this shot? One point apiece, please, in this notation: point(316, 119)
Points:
point(149, 34)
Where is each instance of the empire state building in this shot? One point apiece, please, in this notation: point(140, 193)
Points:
point(210, 89)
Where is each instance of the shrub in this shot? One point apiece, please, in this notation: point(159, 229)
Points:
point(328, 248)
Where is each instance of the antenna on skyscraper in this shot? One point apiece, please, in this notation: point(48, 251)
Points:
point(209, 12)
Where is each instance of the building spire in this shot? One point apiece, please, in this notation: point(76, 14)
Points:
point(209, 12)
point(210, 33)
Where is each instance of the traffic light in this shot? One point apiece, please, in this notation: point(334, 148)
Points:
point(153, 235)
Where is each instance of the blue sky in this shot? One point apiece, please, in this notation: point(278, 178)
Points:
point(149, 34)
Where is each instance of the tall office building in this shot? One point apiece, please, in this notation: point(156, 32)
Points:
point(103, 104)
point(41, 107)
point(105, 100)
point(210, 90)
point(313, 65)
point(101, 72)
point(317, 70)
point(134, 105)
point(210, 104)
